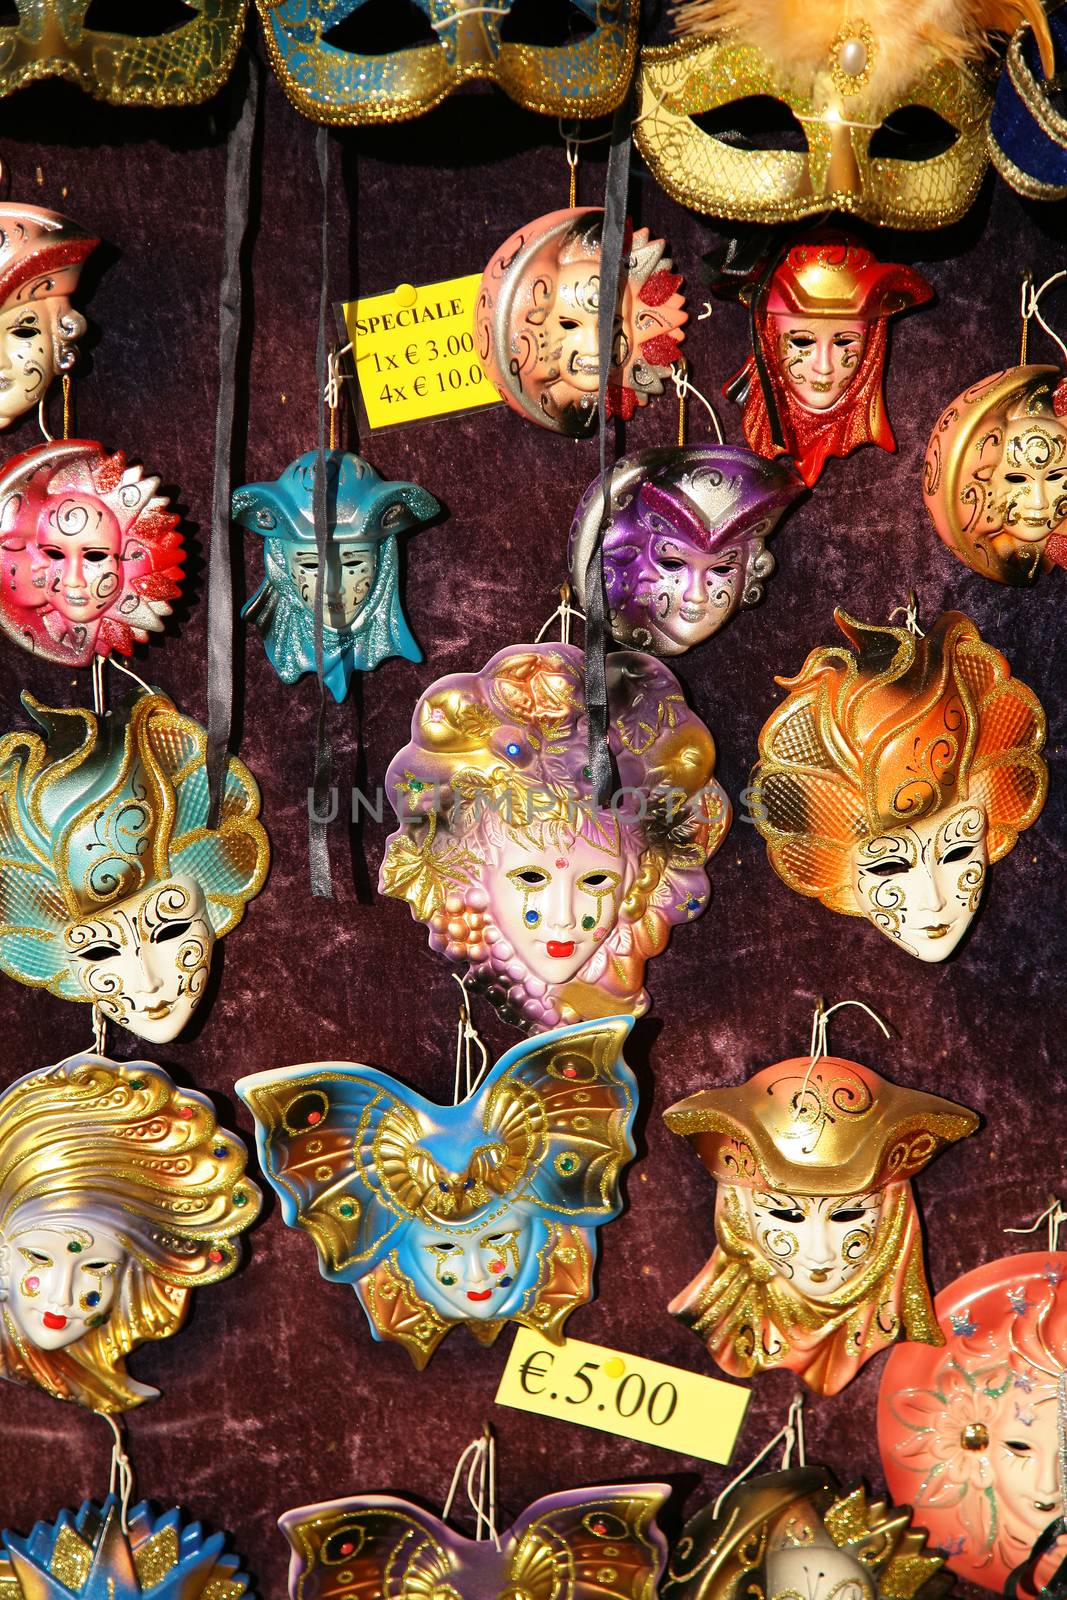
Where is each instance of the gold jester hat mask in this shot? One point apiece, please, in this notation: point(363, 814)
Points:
point(843, 72)
point(818, 1263)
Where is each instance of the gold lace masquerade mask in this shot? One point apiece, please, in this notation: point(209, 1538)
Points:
point(182, 67)
point(583, 75)
point(843, 77)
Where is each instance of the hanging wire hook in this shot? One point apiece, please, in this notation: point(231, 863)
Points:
point(1032, 308)
point(130, 674)
point(1026, 291)
point(819, 1039)
point(121, 1479)
point(910, 613)
point(683, 387)
point(1056, 1215)
point(564, 611)
point(571, 146)
point(791, 1433)
point(480, 1459)
point(99, 1032)
point(466, 1036)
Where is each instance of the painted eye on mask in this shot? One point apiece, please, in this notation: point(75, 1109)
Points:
point(888, 869)
point(786, 1213)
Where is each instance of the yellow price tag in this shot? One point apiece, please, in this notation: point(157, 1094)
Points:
point(624, 1394)
point(414, 352)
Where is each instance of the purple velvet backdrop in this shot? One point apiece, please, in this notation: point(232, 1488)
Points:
point(275, 1394)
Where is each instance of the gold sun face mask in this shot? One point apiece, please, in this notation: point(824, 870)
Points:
point(182, 67)
point(584, 74)
point(839, 113)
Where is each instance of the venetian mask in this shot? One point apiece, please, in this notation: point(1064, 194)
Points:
point(480, 1213)
point(583, 1544)
point(823, 95)
point(552, 903)
point(894, 772)
point(362, 616)
point(176, 66)
point(582, 73)
point(970, 1432)
point(536, 322)
point(685, 546)
point(1027, 131)
point(119, 1195)
point(818, 1263)
point(814, 388)
point(41, 258)
point(90, 555)
point(109, 1550)
point(794, 1535)
point(995, 477)
point(113, 889)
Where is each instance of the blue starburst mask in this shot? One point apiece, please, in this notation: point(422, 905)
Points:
point(85, 1555)
point(362, 616)
point(483, 1212)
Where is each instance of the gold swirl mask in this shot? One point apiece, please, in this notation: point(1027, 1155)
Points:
point(839, 117)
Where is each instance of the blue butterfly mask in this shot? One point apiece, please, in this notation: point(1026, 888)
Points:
point(484, 1212)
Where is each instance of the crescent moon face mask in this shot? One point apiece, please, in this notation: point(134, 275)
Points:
point(536, 322)
point(685, 546)
point(112, 888)
point(553, 903)
point(119, 1196)
point(995, 477)
point(582, 73)
point(818, 1263)
point(482, 1213)
point(583, 1544)
point(90, 555)
point(363, 622)
point(896, 770)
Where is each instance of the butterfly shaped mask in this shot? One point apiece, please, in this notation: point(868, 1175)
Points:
point(483, 1212)
point(583, 1544)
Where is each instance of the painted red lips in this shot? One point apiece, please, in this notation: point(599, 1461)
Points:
point(558, 947)
point(479, 1294)
point(52, 1320)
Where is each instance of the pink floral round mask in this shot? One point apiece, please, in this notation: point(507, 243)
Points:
point(90, 555)
point(968, 1433)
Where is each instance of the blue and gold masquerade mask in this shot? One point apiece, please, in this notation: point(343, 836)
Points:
point(483, 1212)
point(584, 75)
point(363, 620)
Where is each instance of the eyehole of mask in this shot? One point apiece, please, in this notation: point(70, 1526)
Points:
point(756, 122)
point(136, 20)
point(379, 27)
point(912, 133)
point(9, 14)
point(545, 23)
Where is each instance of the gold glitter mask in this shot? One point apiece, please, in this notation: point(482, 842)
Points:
point(839, 115)
point(182, 67)
point(584, 74)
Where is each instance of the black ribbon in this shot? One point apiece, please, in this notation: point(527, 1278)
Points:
point(611, 265)
point(742, 269)
point(220, 620)
point(318, 850)
point(1020, 1582)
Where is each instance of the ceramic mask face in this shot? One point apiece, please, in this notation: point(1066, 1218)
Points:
point(1021, 1449)
point(819, 356)
point(63, 1279)
point(469, 1275)
point(692, 594)
point(145, 960)
point(350, 570)
point(1028, 486)
point(556, 905)
point(27, 356)
point(921, 885)
point(817, 1242)
point(80, 544)
point(816, 1571)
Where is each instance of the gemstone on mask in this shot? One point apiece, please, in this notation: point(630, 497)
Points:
point(852, 57)
point(75, 1247)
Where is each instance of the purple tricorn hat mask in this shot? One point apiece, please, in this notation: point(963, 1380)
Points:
point(685, 546)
